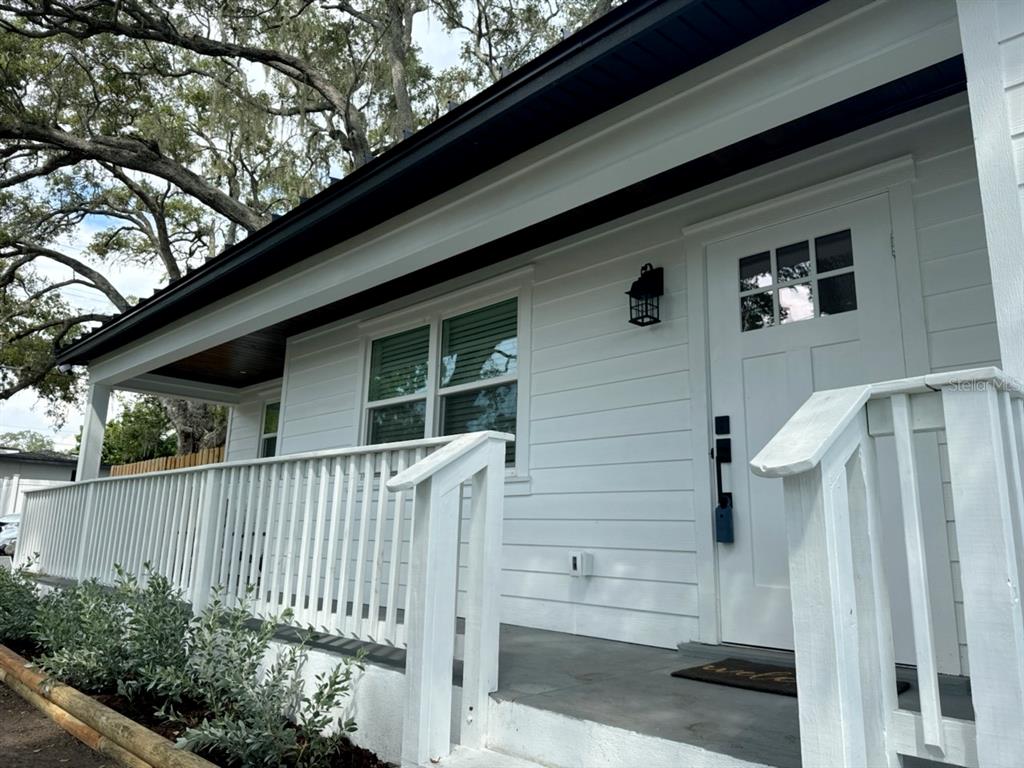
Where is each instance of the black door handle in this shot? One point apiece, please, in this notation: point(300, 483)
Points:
point(724, 533)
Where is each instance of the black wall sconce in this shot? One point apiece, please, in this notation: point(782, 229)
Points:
point(645, 296)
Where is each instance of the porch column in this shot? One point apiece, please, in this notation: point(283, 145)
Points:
point(993, 65)
point(91, 449)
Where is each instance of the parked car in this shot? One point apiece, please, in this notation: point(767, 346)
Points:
point(9, 525)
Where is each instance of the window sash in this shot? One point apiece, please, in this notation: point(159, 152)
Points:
point(434, 394)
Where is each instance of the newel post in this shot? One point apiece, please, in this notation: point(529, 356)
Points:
point(845, 676)
point(430, 647)
point(988, 513)
point(206, 532)
point(483, 607)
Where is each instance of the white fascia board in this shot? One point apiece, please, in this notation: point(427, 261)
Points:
point(836, 51)
point(168, 386)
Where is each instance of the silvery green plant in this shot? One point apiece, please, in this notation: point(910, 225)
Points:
point(19, 604)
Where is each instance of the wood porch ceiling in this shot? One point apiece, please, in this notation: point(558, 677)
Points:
point(259, 356)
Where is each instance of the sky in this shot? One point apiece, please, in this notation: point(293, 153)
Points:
point(24, 411)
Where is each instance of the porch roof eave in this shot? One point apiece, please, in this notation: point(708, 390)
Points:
point(447, 237)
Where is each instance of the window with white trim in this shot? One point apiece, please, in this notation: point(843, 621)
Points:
point(451, 375)
point(268, 430)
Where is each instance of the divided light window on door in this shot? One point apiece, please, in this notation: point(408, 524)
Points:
point(799, 281)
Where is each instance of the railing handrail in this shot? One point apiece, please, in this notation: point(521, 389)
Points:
point(357, 450)
point(435, 462)
point(802, 442)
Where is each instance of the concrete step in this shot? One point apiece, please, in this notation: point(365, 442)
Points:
point(464, 757)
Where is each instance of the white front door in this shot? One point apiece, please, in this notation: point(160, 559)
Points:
point(804, 305)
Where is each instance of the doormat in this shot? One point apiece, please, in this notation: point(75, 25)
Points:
point(752, 675)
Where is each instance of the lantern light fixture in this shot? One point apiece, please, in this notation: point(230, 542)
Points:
point(645, 296)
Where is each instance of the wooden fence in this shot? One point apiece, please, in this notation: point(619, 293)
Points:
point(162, 463)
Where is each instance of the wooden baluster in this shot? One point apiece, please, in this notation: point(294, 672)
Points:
point(316, 566)
point(332, 574)
point(276, 596)
point(259, 536)
point(272, 514)
point(418, 456)
point(206, 538)
point(301, 587)
point(183, 515)
point(917, 571)
point(362, 546)
point(344, 623)
point(289, 565)
point(990, 570)
point(374, 625)
point(249, 525)
point(394, 566)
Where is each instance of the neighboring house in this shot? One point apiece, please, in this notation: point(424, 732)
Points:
point(832, 191)
point(22, 471)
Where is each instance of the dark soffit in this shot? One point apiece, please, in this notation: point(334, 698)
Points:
point(261, 355)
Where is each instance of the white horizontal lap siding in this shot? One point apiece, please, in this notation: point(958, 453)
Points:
point(611, 453)
point(959, 311)
point(242, 442)
point(323, 377)
point(1011, 50)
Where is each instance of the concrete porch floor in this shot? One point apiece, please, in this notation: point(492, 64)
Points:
point(630, 687)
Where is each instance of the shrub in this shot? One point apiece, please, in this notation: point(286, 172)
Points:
point(19, 604)
point(144, 643)
point(81, 631)
point(260, 716)
point(156, 629)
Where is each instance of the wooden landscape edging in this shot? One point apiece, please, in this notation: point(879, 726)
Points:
point(96, 725)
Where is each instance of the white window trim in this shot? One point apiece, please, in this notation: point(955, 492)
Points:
point(433, 313)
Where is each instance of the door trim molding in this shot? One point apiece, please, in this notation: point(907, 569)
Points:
point(894, 177)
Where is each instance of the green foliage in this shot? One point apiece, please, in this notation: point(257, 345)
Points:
point(142, 431)
point(246, 699)
point(26, 440)
point(143, 642)
point(81, 631)
point(19, 605)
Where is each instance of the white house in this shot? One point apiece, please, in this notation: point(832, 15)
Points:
point(833, 194)
point(22, 471)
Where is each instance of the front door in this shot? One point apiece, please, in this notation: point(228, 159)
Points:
point(803, 305)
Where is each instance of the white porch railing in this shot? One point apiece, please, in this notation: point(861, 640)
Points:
point(849, 713)
point(361, 543)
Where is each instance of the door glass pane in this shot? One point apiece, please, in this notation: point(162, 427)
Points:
point(398, 364)
point(837, 294)
point(271, 413)
point(268, 447)
point(493, 408)
point(479, 345)
point(796, 302)
point(833, 251)
point(756, 311)
point(755, 271)
point(404, 421)
point(793, 261)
